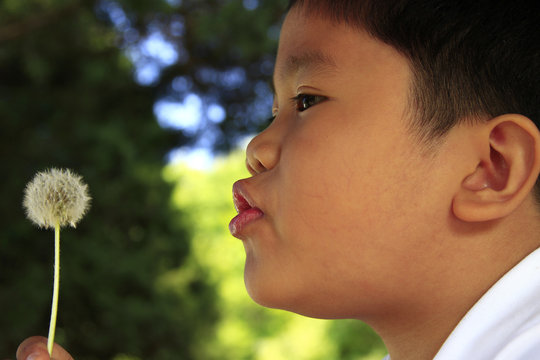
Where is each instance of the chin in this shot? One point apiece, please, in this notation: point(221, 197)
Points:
point(272, 293)
point(265, 292)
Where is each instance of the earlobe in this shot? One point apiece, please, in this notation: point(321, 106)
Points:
point(506, 171)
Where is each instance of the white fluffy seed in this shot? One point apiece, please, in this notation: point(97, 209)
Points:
point(56, 196)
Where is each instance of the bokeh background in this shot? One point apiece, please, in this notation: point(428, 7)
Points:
point(152, 102)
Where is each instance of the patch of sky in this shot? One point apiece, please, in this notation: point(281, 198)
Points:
point(150, 56)
point(198, 158)
point(131, 36)
point(147, 74)
point(207, 75)
point(267, 67)
point(174, 3)
point(156, 47)
point(251, 4)
point(233, 78)
point(185, 115)
point(229, 79)
point(263, 91)
point(115, 14)
point(260, 110)
point(209, 136)
point(176, 26)
point(215, 113)
point(181, 84)
point(264, 100)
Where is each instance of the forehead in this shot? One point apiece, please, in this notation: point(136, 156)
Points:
point(309, 42)
point(301, 47)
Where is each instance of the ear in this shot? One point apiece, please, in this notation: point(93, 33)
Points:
point(507, 150)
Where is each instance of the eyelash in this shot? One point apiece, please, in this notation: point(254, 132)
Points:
point(300, 101)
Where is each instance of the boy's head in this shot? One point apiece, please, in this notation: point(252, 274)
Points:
point(347, 214)
point(470, 60)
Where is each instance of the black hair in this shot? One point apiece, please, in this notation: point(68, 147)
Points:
point(470, 59)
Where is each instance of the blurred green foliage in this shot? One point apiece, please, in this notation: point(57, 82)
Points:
point(68, 99)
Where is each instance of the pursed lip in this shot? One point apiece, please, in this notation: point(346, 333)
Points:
point(247, 210)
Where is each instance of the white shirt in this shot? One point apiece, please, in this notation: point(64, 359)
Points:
point(505, 323)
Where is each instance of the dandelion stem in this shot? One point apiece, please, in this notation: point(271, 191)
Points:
point(56, 287)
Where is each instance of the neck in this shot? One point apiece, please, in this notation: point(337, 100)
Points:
point(476, 256)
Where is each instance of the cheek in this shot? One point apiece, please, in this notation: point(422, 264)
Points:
point(330, 189)
point(357, 201)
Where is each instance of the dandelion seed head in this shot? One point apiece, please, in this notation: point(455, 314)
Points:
point(56, 196)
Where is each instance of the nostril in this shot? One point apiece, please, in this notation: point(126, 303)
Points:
point(249, 168)
point(254, 168)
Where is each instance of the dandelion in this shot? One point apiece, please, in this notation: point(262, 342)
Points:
point(53, 199)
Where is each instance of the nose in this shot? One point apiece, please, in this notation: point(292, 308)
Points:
point(263, 151)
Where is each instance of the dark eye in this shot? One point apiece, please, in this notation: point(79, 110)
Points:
point(305, 101)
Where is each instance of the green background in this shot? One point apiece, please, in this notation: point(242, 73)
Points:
point(151, 272)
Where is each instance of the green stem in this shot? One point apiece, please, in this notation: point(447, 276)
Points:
point(56, 287)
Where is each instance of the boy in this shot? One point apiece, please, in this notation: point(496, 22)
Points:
point(396, 183)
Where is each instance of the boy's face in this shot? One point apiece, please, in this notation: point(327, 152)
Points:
point(352, 205)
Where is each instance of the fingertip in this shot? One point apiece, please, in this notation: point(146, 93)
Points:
point(33, 348)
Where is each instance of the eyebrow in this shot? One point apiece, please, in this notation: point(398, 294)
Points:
point(315, 60)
